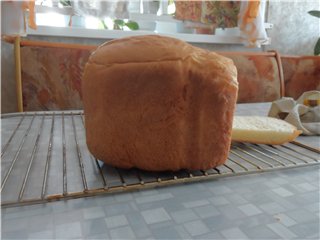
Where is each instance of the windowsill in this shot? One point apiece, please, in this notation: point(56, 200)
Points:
point(113, 34)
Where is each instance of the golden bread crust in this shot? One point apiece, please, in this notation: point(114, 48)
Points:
point(157, 103)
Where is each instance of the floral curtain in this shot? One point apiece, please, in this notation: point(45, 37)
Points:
point(223, 14)
point(247, 15)
point(208, 14)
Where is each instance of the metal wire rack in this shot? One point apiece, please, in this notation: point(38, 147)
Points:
point(44, 158)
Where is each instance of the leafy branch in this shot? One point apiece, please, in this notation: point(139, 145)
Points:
point(120, 24)
point(65, 3)
point(316, 13)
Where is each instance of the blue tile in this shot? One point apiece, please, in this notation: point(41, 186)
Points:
point(99, 236)
point(48, 234)
point(93, 227)
point(19, 234)
point(123, 197)
point(184, 215)
point(11, 225)
point(68, 230)
point(232, 212)
point(210, 235)
point(217, 222)
point(93, 212)
point(68, 216)
point(220, 190)
point(182, 232)
point(165, 233)
point(122, 233)
point(302, 216)
point(153, 198)
point(260, 232)
point(138, 225)
point(219, 200)
point(196, 203)
point(117, 209)
point(207, 211)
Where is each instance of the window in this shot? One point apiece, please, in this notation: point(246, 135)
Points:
point(193, 21)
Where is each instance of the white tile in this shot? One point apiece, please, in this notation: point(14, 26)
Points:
point(233, 233)
point(219, 201)
point(272, 208)
point(281, 230)
point(196, 228)
point(282, 192)
point(280, 180)
point(93, 212)
point(250, 209)
point(313, 207)
point(153, 198)
point(116, 221)
point(270, 184)
point(155, 215)
point(196, 203)
point(236, 199)
point(307, 186)
point(285, 220)
point(220, 190)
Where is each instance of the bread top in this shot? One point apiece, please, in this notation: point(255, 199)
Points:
point(155, 48)
point(141, 49)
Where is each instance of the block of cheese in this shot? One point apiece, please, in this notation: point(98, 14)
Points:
point(158, 103)
point(263, 130)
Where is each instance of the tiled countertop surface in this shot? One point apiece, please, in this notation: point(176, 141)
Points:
point(280, 204)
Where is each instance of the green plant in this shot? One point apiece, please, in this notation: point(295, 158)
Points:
point(120, 24)
point(65, 3)
point(316, 13)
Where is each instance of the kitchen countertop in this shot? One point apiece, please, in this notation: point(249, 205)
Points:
point(279, 204)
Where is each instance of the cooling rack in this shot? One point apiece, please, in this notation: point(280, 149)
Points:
point(44, 157)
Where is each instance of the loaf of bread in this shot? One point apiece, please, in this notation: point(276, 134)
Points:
point(263, 130)
point(158, 103)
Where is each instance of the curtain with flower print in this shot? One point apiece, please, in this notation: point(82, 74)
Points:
point(206, 16)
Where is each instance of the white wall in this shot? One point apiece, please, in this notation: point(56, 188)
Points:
point(295, 32)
